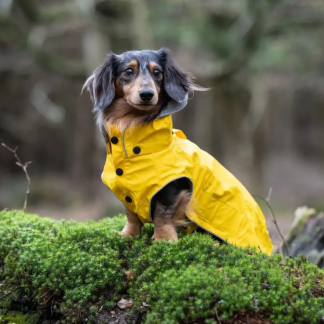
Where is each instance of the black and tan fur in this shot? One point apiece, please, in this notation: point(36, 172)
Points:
point(132, 89)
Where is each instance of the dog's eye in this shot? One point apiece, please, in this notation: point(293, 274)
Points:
point(157, 73)
point(129, 72)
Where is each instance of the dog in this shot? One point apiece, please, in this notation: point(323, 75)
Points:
point(153, 169)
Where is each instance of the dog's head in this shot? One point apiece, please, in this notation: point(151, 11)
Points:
point(147, 81)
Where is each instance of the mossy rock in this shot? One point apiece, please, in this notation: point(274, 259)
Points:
point(306, 236)
point(78, 272)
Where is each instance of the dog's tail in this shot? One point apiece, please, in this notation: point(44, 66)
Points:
point(179, 209)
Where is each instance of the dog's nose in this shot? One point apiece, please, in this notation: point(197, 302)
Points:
point(146, 95)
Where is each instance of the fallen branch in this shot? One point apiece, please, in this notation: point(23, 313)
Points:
point(24, 167)
point(267, 201)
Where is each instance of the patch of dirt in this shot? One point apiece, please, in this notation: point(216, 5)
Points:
point(119, 316)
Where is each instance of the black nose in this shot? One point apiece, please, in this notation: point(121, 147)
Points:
point(146, 95)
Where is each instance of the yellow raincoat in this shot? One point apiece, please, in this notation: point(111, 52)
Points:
point(143, 159)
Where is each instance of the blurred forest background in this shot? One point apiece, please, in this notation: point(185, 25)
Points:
point(263, 117)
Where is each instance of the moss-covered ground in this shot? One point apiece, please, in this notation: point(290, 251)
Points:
point(69, 272)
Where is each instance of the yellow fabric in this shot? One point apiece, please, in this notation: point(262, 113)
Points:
point(220, 204)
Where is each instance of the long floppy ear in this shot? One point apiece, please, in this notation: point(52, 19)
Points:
point(177, 82)
point(101, 84)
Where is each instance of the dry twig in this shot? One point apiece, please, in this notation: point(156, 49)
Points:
point(267, 201)
point(216, 312)
point(24, 167)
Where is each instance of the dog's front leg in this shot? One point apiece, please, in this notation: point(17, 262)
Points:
point(133, 226)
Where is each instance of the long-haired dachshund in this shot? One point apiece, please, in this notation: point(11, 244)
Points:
point(158, 174)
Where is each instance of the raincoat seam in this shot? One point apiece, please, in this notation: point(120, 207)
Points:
point(124, 146)
point(170, 137)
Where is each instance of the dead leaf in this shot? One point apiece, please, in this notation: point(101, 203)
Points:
point(265, 286)
point(129, 275)
point(125, 303)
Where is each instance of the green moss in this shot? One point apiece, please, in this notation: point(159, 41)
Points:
point(81, 268)
point(69, 261)
point(18, 318)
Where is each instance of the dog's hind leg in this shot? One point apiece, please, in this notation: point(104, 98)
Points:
point(133, 226)
point(166, 218)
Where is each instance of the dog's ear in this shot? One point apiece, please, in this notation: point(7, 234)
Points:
point(101, 84)
point(177, 82)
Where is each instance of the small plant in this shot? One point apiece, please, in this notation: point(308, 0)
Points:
point(24, 166)
point(274, 219)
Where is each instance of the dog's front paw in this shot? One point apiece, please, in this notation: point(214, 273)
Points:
point(130, 234)
point(167, 232)
point(131, 230)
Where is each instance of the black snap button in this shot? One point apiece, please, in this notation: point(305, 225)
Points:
point(136, 150)
point(128, 199)
point(119, 172)
point(114, 140)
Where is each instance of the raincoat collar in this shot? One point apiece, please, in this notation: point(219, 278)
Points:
point(142, 139)
point(171, 108)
